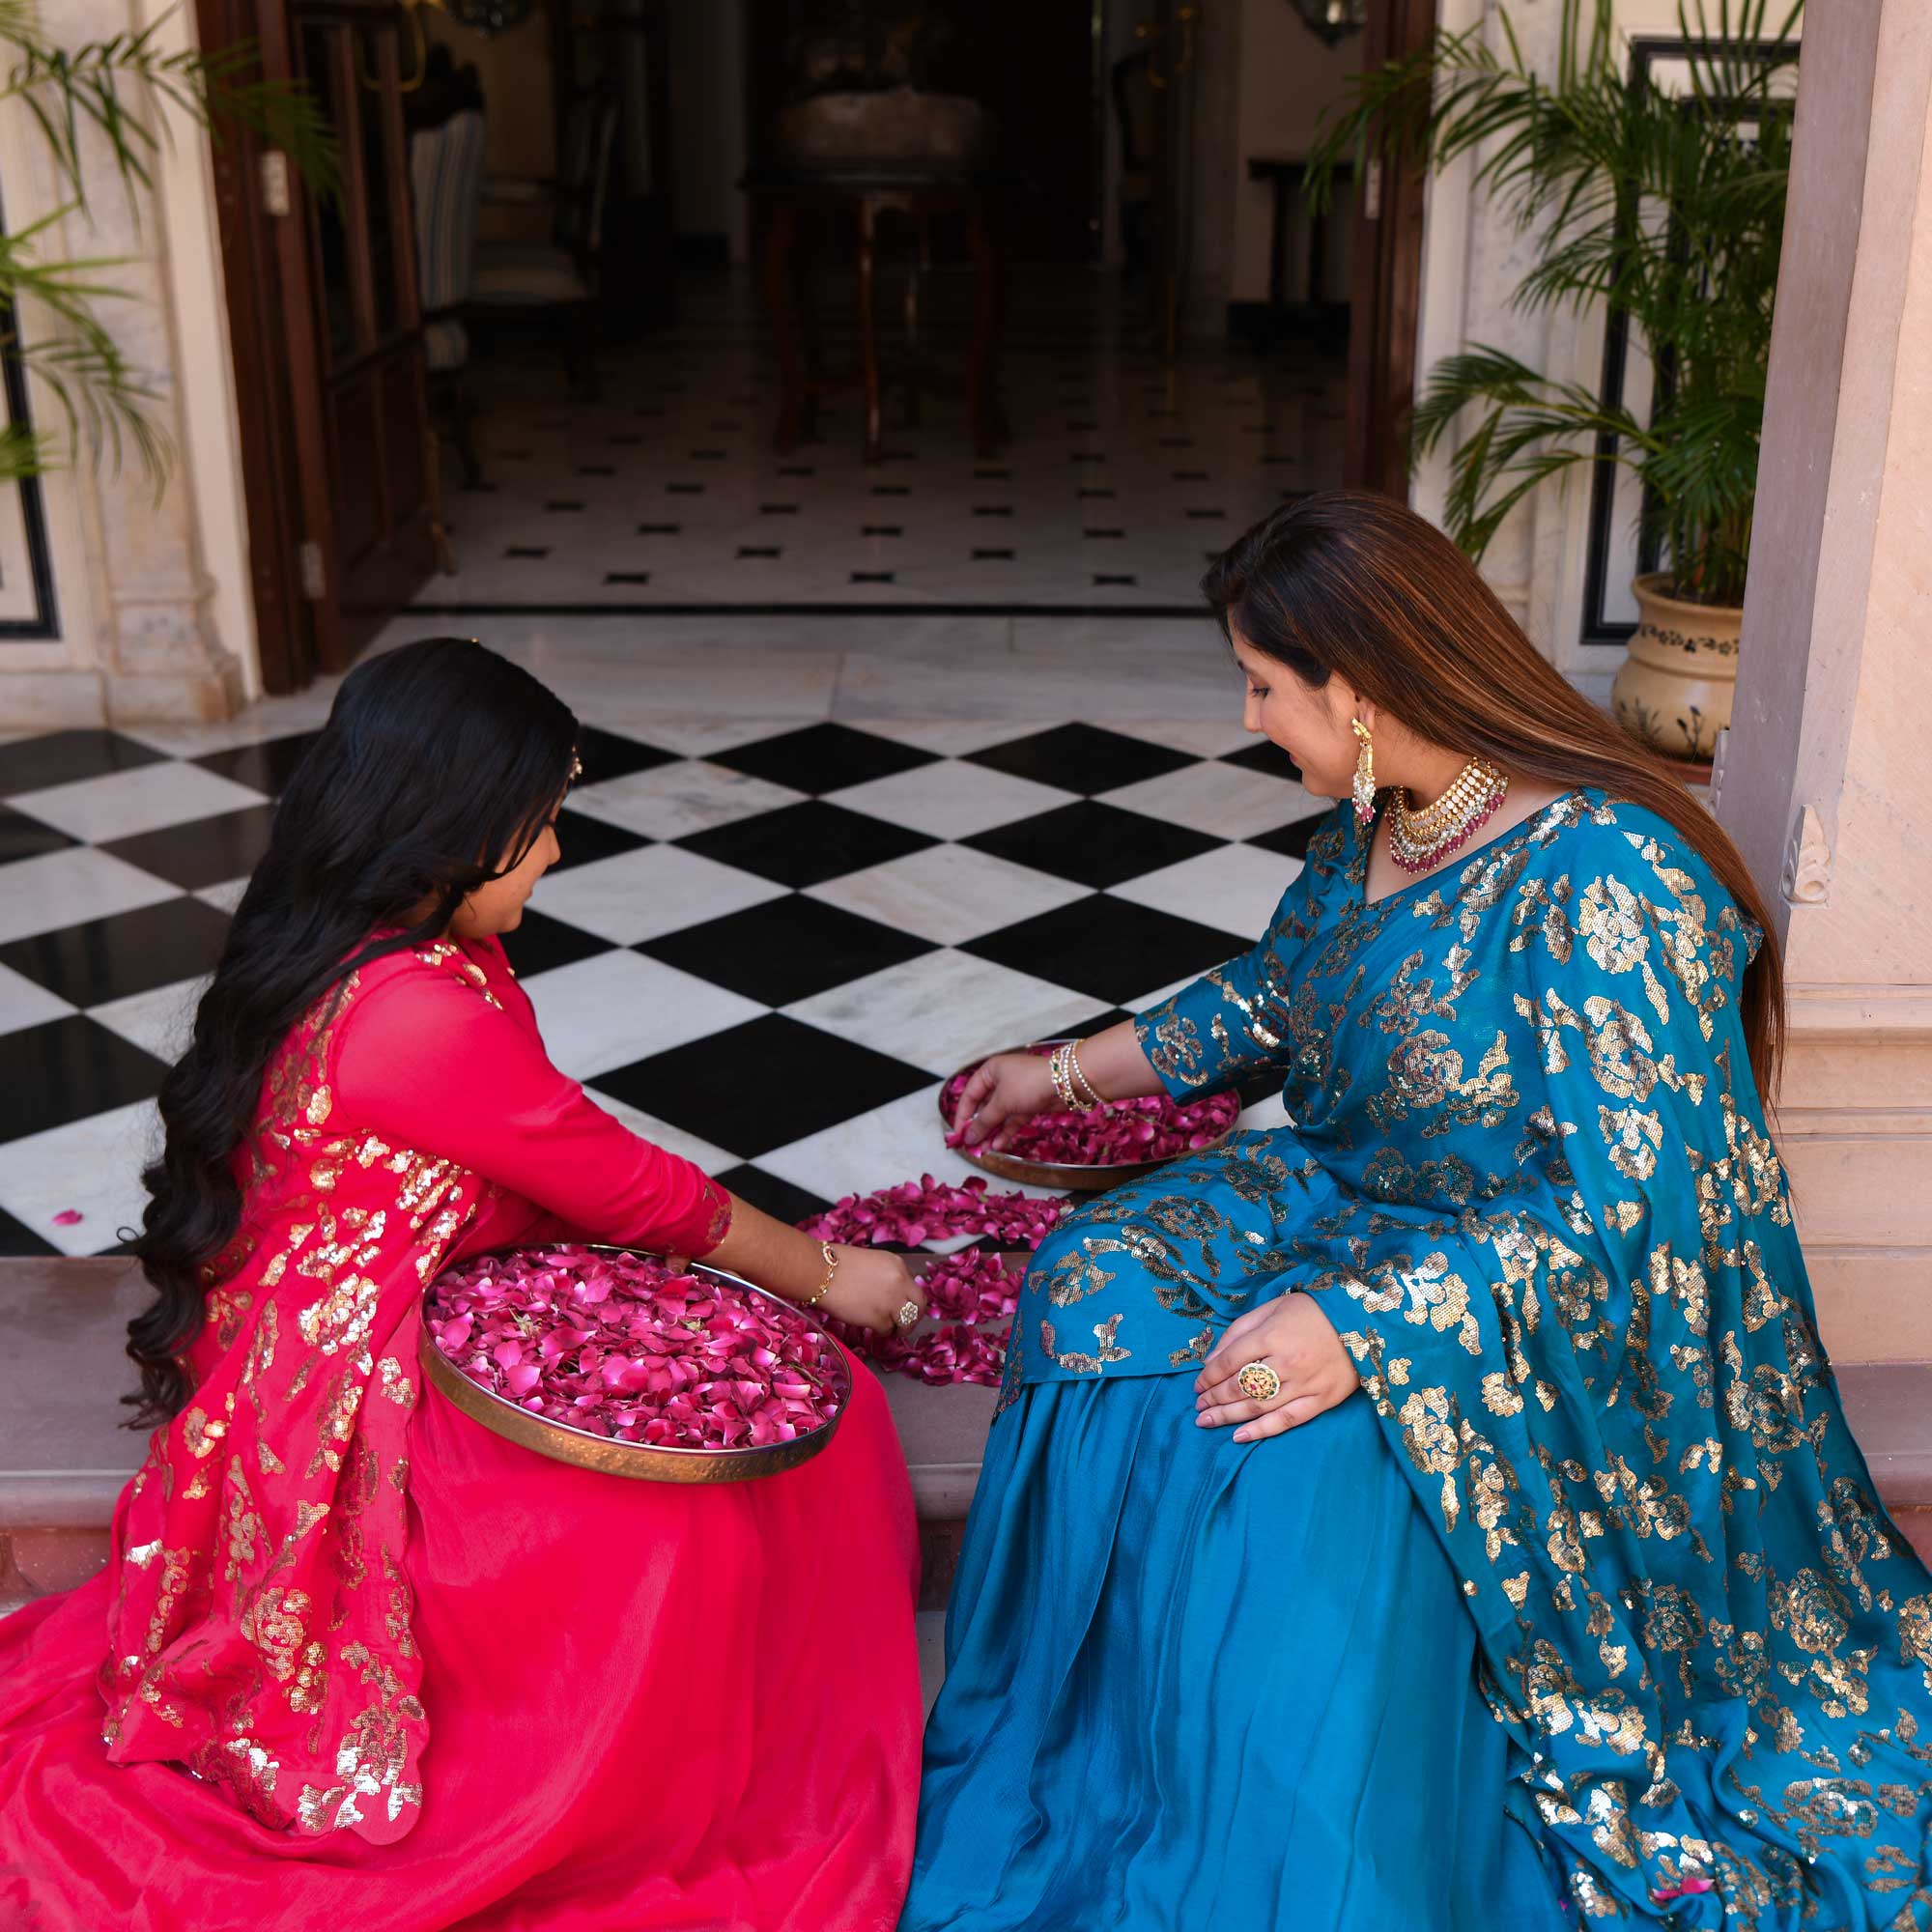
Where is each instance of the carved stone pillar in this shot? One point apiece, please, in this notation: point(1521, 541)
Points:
point(1823, 780)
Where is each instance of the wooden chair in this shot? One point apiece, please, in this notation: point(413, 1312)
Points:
point(561, 275)
point(446, 184)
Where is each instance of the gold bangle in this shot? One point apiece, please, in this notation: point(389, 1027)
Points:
point(1062, 1081)
point(824, 1288)
point(1079, 1075)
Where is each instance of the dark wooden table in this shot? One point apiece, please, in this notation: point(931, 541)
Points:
point(793, 204)
point(1285, 174)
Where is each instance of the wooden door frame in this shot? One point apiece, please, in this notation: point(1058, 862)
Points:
point(268, 386)
point(1385, 305)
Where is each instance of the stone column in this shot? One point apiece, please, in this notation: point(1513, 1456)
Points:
point(1823, 780)
point(142, 632)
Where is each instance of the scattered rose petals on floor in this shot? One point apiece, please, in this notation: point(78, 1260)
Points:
point(973, 1295)
point(623, 1346)
point(68, 1217)
point(1150, 1129)
point(917, 1211)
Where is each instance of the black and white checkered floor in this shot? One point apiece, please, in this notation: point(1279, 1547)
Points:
point(765, 946)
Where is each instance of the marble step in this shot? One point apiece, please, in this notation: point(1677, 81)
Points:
point(64, 1456)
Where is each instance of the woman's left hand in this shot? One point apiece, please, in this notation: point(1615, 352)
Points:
point(1296, 1340)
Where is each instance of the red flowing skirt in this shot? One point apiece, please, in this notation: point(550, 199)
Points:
point(651, 1708)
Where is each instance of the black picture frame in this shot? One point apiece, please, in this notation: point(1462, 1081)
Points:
point(45, 623)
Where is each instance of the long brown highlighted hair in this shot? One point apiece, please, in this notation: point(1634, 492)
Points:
point(1349, 584)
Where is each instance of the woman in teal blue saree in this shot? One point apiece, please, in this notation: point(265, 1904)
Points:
point(1436, 1512)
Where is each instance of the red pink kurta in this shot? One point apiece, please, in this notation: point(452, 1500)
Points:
point(355, 1662)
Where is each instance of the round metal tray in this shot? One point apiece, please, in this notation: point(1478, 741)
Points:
point(1065, 1176)
point(642, 1462)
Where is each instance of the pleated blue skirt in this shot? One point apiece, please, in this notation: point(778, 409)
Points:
point(1196, 1683)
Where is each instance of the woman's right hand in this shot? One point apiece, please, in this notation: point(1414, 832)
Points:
point(870, 1288)
point(1002, 1088)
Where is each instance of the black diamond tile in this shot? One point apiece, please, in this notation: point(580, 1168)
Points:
point(608, 755)
point(779, 1199)
point(1290, 839)
point(1095, 844)
point(824, 758)
point(61, 757)
point(786, 949)
point(762, 1085)
point(1265, 756)
point(583, 838)
point(24, 837)
point(131, 952)
point(1082, 758)
point(539, 942)
point(806, 844)
point(267, 767)
point(17, 1238)
point(1107, 949)
point(202, 853)
point(67, 1069)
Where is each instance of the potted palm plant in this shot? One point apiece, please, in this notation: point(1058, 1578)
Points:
point(1663, 198)
point(98, 107)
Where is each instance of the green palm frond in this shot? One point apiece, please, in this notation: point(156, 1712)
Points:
point(123, 93)
point(1667, 206)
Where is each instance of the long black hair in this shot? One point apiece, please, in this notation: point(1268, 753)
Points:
point(438, 770)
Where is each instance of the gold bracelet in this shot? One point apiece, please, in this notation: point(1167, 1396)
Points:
point(1079, 1075)
point(1062, 1081)
point(824, 1288)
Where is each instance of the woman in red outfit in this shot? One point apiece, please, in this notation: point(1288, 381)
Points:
point(355, 1659)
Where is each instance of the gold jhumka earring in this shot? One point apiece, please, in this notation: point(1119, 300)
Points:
point(1365, 775)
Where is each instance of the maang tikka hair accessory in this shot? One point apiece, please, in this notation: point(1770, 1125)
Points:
point(1365, 775)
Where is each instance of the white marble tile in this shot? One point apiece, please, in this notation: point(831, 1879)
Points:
point(1228, 801)
point(160, 1022)
point(92, 1168)
point(1234, 888)
point(225, 897)
point(615, 1008)
point(24, 1004)
point(957, 737)
point(142, 800)
point(944, 1008)
point(948, 894)
point(1204, 737)
point(898, 1141)
point(640, 895)
point(661, 1133)
point(69, 888)
point(673, 801)
point(269, 719)
point(703, 736)
point(1068, 684)
point(951, 800)
point(1264, 1115)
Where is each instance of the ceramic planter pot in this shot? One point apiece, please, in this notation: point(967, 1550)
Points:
point(1676, 687)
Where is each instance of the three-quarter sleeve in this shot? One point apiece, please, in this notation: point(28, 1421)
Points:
point(426, 1062)
point(1206, 1036)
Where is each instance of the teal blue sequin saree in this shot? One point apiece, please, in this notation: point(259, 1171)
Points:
point(1585, 1609)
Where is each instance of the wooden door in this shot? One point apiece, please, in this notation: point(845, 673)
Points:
point(380, 529)
point(338, 464)
point(1386, 299)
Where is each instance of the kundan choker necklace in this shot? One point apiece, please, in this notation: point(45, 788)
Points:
point(1419, 840)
